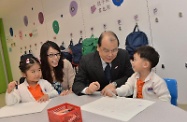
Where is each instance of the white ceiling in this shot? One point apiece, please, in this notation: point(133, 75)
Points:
point(8, 6)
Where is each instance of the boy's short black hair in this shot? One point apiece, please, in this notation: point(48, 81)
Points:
point(148, 53)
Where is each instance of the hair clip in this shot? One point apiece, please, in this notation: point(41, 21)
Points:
point(27, 61)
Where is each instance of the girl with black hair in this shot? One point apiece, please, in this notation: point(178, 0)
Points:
point(33, 88)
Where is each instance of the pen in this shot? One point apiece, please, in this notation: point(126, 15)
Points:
point(16, 84)
point(64, 111)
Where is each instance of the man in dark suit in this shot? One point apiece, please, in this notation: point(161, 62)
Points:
point(91, 74)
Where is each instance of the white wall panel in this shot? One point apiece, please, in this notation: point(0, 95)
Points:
point(169, 38)
point(68, 24)
point(110, 17)
point(14, 19)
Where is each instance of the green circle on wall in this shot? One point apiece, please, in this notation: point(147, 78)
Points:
point(56, 27)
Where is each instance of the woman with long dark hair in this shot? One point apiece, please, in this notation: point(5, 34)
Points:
point(58, 71)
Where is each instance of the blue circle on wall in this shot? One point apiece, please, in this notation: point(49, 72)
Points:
point(11, 31)
point(117, 2)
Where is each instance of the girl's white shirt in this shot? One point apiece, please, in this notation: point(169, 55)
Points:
point(22, 94)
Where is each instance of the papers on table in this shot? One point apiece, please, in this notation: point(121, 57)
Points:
point(22, 108)
point(119, 108)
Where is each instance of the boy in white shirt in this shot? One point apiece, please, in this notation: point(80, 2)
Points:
point(144, 83)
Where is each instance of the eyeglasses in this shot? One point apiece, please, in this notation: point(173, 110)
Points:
point(114, 51)
point(53, 55)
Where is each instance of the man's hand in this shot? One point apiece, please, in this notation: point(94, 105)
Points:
point(94, 86)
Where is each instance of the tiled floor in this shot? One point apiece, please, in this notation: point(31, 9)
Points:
point(2, 102)
point(183, 106)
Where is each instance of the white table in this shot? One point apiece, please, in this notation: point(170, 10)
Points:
point(158, 112)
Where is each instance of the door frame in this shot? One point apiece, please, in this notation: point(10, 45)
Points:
point(5, 56)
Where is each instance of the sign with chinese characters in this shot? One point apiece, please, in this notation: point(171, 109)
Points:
point(101, 6)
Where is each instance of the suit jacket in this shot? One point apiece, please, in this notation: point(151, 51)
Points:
point(91, 70)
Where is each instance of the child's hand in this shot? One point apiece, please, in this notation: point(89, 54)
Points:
point(109, 87)
point(44, 98)
point(65, 92)
point(111, 93)
point(11, 86)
